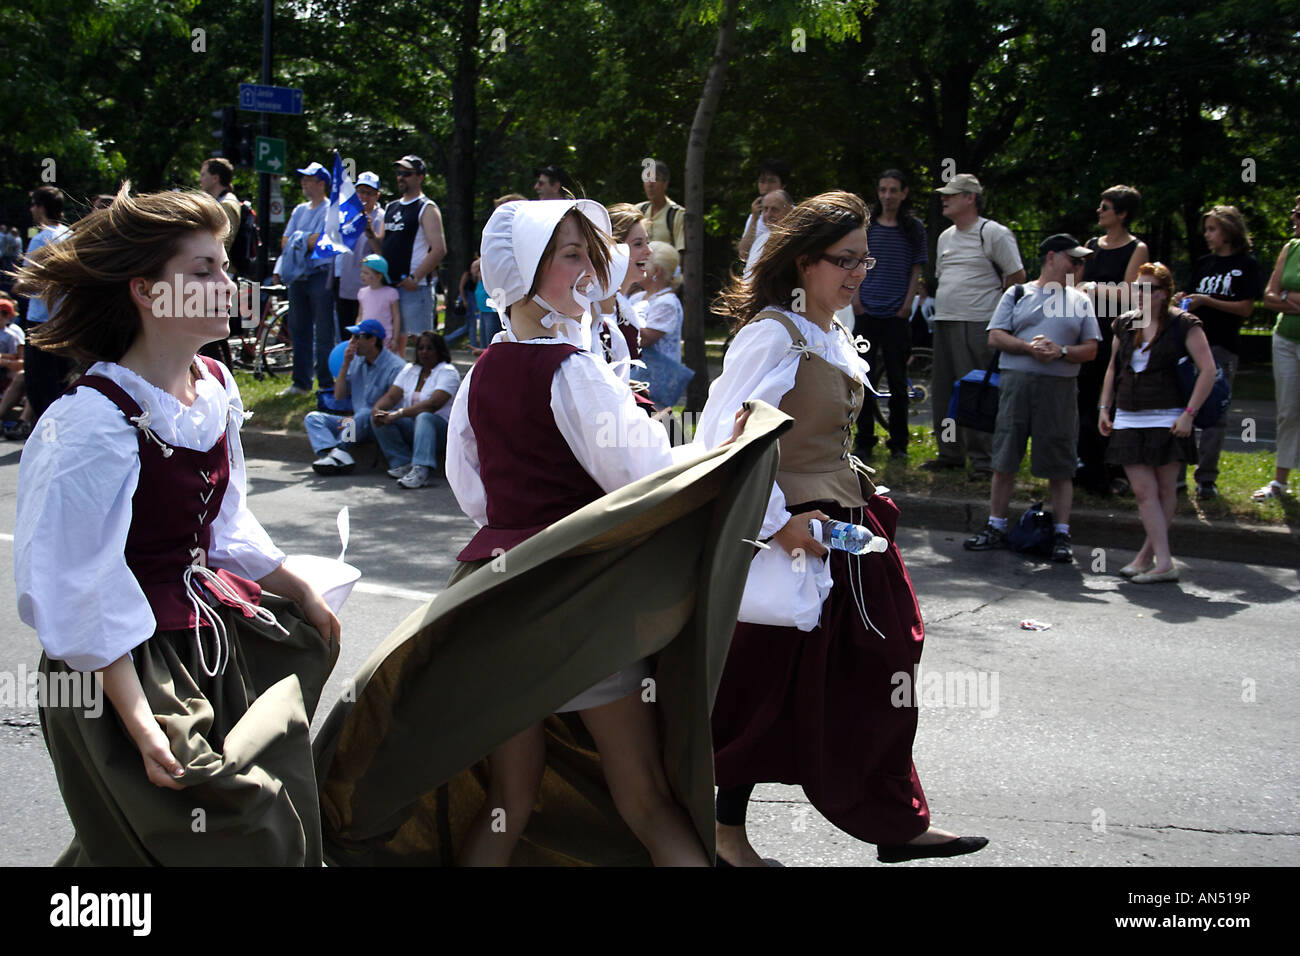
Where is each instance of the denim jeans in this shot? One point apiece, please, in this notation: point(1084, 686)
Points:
point(1210, 443)
point(417, 309)
point(325, 431)
point(418, 441)
point(311, 328)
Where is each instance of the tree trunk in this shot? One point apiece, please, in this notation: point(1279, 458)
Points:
point(697, 145)
point(458, 223)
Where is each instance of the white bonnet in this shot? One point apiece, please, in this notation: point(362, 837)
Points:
point(620, 256)
point(516, 236)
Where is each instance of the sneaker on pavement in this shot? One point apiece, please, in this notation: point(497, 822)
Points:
point(1207, 489)
point(334, 462)
point(1061, 547)
point(400, 471)
point(295, 390)
point(987, 540)
point(417, 477)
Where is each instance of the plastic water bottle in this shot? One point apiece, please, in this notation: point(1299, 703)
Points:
point(842, 536)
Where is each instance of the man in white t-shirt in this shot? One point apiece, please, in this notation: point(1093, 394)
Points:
point(976, 260)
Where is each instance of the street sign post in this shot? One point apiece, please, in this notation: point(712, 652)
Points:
point(270, 156)
point(270, 99)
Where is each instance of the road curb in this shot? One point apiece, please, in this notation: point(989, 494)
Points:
point(1221, 538)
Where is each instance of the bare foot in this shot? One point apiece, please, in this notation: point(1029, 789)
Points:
point(733, 846)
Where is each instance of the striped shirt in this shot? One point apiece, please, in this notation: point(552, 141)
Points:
point(884, 287)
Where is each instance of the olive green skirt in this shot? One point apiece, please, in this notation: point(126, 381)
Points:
point(242, 737)
point(653, 571)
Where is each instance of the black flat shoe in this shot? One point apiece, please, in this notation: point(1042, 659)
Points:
point(902, 852)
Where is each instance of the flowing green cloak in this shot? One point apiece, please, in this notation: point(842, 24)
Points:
point(654, 570)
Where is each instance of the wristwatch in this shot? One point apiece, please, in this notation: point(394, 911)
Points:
point(1065, 351)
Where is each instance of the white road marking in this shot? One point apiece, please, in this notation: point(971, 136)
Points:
point(389, 591)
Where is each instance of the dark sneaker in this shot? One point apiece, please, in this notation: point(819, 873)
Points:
point(987, 540)
point(1206, 489)
point(941, 464)
point(1061, 547)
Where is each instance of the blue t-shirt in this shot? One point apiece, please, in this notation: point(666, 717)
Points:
point(367, 382)
point(884, 287)
point(36, 310)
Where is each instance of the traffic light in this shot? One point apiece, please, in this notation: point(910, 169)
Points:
point(247, 137)
point(228, 133)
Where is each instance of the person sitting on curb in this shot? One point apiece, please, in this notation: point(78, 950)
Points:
point(411, 418)
point(1045, 330)
point(332, 436)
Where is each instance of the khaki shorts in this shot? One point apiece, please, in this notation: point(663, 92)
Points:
point(1044, 408)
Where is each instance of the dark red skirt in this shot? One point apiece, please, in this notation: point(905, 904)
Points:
point(814, 708)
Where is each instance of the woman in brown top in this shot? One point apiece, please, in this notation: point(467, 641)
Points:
point(1151, 429)
point(810, 693)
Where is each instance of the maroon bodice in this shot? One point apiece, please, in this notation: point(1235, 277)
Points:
point(529, 472)
point(176, 500)
point(633, 336)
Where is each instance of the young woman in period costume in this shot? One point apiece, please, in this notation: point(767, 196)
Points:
point(524, 450)
point(809, 690)
point(144, 573)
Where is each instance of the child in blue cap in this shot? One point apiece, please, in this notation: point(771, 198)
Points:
point(379, 301)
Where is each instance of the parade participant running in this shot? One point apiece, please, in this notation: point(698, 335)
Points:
point(534, 402)
point(815, 707)
point(135, 557)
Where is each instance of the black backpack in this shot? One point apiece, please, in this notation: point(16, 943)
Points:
point(1033, 533)
point(247, 246)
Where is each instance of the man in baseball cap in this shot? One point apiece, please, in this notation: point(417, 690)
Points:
point(317, 170)
point(367, 372)
point(1045, 330)
point(975, 260)
point(347, 267)
point(414, 246)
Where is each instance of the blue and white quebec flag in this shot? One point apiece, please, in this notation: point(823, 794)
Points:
point(344, 219)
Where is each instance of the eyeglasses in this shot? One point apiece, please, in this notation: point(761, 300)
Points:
point(402, 173)
point(852, 263)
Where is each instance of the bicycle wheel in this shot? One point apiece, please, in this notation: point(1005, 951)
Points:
point(274, 347)
point(920, 367)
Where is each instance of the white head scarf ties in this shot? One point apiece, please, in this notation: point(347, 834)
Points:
point(513, 242)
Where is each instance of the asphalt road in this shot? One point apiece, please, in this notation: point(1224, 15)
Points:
point(1151, 726)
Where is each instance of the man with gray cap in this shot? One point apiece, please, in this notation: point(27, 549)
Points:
point(976, 259)
point(1045, 330)
point(414, 246)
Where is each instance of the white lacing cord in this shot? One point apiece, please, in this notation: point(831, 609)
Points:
point(855, 587)
point(804, 349)
point(862, 344)
point(142, 422)
point(213, 581)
